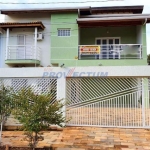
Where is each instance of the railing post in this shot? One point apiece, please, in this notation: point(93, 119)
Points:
point(35, 43)
point(25, 52)
point(7, 41)
point(140, 51)
point(79, 55)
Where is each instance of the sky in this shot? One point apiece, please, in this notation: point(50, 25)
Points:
point(72, 3)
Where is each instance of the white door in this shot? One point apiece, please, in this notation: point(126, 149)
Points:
point(21, 49)
point(108, 48)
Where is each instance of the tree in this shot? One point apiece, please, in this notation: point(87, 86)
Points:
point(5, 105)
point(148, 59)
point(36, 113)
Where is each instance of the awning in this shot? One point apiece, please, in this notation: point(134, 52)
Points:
point(37, 24)
point(114, 20)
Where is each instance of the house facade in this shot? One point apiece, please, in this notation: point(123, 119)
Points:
point(24, 42)
point(67, 36)
point(120, 32)
point(95, 58)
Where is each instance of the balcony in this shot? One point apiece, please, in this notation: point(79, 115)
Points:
point(23, 54)
point(110, 51)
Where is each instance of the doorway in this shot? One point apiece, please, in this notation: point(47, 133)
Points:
point(109, 47)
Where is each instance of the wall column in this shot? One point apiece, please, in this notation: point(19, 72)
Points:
point(61, 92)
point(145, 98)
point(7, 42)
point(35, 44)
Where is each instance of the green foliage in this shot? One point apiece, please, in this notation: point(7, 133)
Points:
point(5, 102)
point(36, 113)
point(5, 105)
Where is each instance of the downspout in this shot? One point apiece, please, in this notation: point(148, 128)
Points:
point(145, 21)
point(78, 13)
point(90, 10)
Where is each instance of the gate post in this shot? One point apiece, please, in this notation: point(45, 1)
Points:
point(143, 103)
point(145, 100)
point(61, 92)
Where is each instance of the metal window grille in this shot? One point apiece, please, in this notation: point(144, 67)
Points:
point(64, 32)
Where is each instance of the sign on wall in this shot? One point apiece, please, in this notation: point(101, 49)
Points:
point(89, 50)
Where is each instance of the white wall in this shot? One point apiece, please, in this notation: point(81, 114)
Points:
point(31, 17)
point(112, 71)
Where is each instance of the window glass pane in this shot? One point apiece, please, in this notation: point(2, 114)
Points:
point(98, 42)
point(104, 49)
point(116, 41)
point(63, 32)
point(110, 41)
point(104, 41)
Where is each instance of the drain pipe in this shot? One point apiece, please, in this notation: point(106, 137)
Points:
point(145, 21)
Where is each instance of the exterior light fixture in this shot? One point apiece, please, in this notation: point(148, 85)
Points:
point(62, 65)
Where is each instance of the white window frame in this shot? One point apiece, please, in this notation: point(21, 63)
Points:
point(63, 29)
point(107, 39)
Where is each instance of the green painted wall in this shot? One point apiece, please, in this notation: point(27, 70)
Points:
point(144, 44)
point(65, 49)
point(127, 34)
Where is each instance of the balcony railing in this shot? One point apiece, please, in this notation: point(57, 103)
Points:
point(111, 51)
point(23, 52)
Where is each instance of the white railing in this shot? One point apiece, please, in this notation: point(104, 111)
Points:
point(112, 51)
point(26, 52)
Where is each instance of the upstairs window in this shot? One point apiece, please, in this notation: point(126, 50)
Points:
point(63, 32)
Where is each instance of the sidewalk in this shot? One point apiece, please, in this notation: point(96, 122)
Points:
point(86, 138)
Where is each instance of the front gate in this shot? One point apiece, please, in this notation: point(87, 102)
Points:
point(108, 102)
point(38, 85)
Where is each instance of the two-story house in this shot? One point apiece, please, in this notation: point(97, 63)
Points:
point(57, 36)
point(84, 43)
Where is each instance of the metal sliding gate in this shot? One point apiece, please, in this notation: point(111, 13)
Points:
point(108, 102)
point(38, 85)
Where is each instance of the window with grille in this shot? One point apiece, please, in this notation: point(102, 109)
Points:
point(63, 32)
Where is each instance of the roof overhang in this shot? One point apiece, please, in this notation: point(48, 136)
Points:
point(93, 10)
point(43, 10)
point(138, 9)
point(114, 21)
point(37, 24)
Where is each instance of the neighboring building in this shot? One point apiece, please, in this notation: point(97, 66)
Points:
point(101, 50)
point(22, 48)
point(1, 52)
